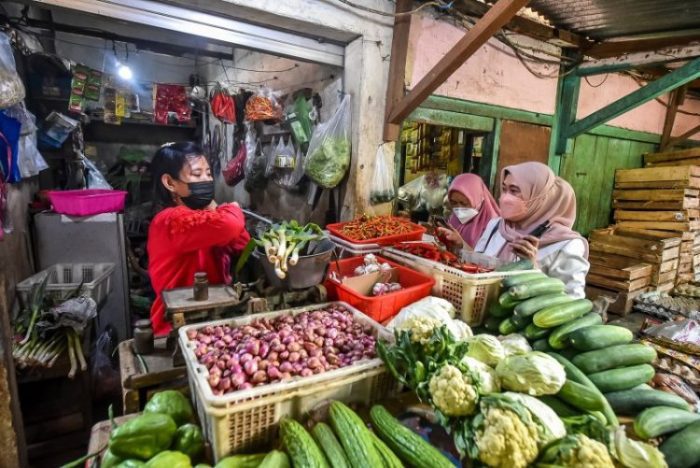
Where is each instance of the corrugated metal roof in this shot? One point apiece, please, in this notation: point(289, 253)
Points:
point(606, 19)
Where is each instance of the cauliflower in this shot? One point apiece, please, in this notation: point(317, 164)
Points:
point(420, 327)
point(577, 451)
point(483, 377)
point(452, 392)
point(487, 349)
point(505, 440)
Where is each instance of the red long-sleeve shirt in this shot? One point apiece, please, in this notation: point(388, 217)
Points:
point(182, 242)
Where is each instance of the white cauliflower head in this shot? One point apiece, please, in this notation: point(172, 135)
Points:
point(452, 392)
point(420, 327)
point(577, 451)
point(504, 440)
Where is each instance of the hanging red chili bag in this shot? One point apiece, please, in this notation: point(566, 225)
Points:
point(223, 106)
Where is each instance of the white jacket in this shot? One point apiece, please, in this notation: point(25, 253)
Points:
point(564, 260)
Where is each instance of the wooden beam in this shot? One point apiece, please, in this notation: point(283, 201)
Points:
point(675, 99)
point(616, 48)
point(497, 17)
point(564, 114)
point(680, 138)
point(635, 60)
point(397, 67)
point(673, 80)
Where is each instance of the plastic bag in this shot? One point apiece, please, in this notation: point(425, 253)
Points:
point(328, 158)
point(271, 153)
point(382, 190)
point(256, 165)
point(11, 87)
point(290, 179)
point(409, 194)
point(437, 308)
point(105, 377)
point(31, 162)
point(263, 106)
point(434, 191)
point(234, 171)
point(95, 179)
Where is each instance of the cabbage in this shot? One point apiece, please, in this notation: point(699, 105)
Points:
point(483, 376)
point(515, 344)
point(534, 373)
point(551, 426)
point(633, 453)
point(487, 349)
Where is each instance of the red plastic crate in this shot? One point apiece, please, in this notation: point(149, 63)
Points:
point(416, 234)
point(381, 308)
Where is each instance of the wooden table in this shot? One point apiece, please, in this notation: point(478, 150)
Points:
point(181, 308)
point(139, 382)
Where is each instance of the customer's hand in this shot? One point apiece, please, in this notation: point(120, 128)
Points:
point(450, 235)
point(526, 248)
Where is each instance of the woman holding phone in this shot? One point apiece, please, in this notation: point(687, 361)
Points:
point(473, 207)
point(535, 201)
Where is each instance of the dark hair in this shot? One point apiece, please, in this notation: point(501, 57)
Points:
point(170, 159)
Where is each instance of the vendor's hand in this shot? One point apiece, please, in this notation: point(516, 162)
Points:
point(526, 248)
point(211, 206)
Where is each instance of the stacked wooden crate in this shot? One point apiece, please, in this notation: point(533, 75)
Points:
point(664, 200)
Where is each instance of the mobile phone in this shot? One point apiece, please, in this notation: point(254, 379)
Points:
point(539, 230)
point(441, 222)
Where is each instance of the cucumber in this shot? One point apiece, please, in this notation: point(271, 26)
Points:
point(682, 449)
point(388, 457)
point(536, 288)
point(516, 266)
point(528, 307)
point(631, 402)
point(574, 373)
point(599, 336)
point(491, 324)
point(659, 420)
point(560, 314)
point(533, 332)
point(354, 436)
point(328, 442)
point(624, 378)
point(515, 280)
point(497, 310)
point(275, 459)
point(507, 327)
point(614, 357)
point(300, 446)
point(541, 345)
point(409, 446)
point(580, 396)
point(563, 410)
point(506, 300)
point(521, 322)
point(559, 337)
point(568, 353)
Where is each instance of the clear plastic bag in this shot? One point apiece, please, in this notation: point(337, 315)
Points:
point(11, 87)
point(328, 158)
point(382, 190)
point(94, 178)
point(291, 179)
point(409, 194)
point(255, 178)
point(263, 106)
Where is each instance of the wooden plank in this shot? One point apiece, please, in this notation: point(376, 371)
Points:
point(672, 155)
point(676, 98)
point(681, 204)
point(611, 261)
point(630, 273)
point(615, 48)
point(668, 216)
point(665, 267)
point(680, 173)
point(397, 66)
point(664, 226)
point(623, 301)
point(668, 287)
point(663, 184)
point(651, 245)
point(684, 136)
point(655, 195)
point(497, 17)
point(663, 278)
point(681, 162)
point(625, 252)
point(650, 234)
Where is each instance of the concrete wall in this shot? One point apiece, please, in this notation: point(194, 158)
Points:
point(493, 75)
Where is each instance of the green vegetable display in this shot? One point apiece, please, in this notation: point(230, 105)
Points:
point(284, 243)
point(452, 392)
point(143, 437)
point(576, 450)
point(169, 459)
point(534, 373)
point(242, 461)
point(174, 404)
point(327, 164)
point(486, 348)
point(632, 453)
point(190, 441)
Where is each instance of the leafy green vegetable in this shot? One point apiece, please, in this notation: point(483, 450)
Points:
point(534, 373)
point(329, 162)
point(487, 349)
point(576, 450)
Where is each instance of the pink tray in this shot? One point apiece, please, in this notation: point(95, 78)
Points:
point(87, 202)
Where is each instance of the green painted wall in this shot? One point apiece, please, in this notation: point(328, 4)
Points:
point(590, 169)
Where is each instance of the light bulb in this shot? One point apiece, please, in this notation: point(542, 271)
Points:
point(125, 72)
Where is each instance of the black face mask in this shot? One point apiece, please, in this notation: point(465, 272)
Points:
point(201, 195)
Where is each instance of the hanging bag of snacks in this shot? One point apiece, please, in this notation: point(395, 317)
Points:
point(382, 190)
point(328, 158)
point(263, 106)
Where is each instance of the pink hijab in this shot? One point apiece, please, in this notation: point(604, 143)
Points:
point(548, 198)
point(474, 189)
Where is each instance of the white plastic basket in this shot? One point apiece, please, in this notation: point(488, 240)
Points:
point(469, 293)
point(347, 249)
point(64, 279)
point(247, 420)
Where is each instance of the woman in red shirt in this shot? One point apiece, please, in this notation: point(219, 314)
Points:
point(192, 233)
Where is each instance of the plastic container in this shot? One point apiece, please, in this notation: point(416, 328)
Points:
point(65, 278)
point(247, 420)
point(415, 234)
point(346, 249)
point(87, 202)
point(381, 308)
point(469, 293)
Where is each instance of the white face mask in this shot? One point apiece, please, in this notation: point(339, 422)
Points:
point(464, 215)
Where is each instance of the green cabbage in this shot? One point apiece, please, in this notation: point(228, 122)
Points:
point(515, 344)
point(487, 349)
point(534, 373)
point(633, 453)
point(483, 376)
point(551, 427)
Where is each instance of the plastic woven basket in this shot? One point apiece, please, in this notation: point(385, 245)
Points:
point(469, 293)
point(247, 420)
point(94, 280)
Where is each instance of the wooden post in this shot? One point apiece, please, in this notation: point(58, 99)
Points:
point(676, 98)
point(497, 17)
point(680, 138)
point(397, 67)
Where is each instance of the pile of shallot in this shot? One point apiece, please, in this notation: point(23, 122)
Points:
point(267, 351)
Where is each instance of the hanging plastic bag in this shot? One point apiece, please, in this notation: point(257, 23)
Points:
point(234, 171)
point(382, 189)
point(222, 105)
point(105, 377)
point(255, 178)
point(263, 106)
point(328, 158)
point(11, 87)
point(290, 179)
point(29, 160)
point(409, 194)
point(284, 157)
point(93, 176)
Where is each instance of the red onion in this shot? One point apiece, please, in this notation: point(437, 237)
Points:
point(215, 371)
point(236, 369)
point(285, 376)
point(259, 377)
point(221, 364)
point(294, 347)
point(191, 334)
point(225, 384)
point(228, 339)
point(273, 373)
point(284, 355)
point(294, 357)
point(206, 339)
point(288, 340)
point(273, 355)
point(303, 354)
point(286, 367)
point(250, 367)
point(245, 358)
point(297, 367)
point(262, 365)
point(314, 363)
point(246, 386)
point(238, 379)
point(214, 381)
point(306, 372)
point(264, 349)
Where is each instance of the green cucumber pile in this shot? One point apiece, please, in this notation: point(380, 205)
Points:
point(607, 373)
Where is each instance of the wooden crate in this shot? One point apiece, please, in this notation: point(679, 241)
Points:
point(678, 199)
point(655, 251)
point(673, 158)
point(658, 178)
point(677, 227)
point(657, 216)
point(623, 300)
point(667, 287)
